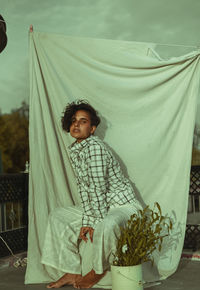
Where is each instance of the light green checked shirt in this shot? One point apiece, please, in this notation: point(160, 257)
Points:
point(101, 183)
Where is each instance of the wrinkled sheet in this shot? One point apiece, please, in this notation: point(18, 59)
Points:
point(147, 106)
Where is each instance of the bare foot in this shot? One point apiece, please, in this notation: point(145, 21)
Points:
point(66, 279)
point(88, 280)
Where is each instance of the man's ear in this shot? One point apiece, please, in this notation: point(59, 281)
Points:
point(93, 129)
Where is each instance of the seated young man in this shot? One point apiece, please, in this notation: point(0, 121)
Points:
point(106, 197)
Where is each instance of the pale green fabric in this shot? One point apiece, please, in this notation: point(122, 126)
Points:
point(148, 111)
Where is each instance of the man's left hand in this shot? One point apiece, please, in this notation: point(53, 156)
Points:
point(83, 233)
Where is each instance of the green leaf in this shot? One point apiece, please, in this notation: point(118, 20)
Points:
point(143, 233)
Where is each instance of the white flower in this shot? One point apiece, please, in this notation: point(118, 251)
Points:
point(124, 248)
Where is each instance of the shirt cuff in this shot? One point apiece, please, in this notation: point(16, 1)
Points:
point(90, 221)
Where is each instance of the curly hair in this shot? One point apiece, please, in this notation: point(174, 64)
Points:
point(72, 108)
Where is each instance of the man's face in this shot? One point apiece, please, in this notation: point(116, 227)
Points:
point(81, 126)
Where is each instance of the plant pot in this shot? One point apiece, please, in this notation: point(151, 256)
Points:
point(127, 277)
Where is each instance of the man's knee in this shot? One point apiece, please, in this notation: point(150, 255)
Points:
point(110, 225)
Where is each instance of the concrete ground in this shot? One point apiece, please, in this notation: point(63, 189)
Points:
point(187, 277)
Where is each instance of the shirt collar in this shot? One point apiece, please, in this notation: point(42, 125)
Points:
point(78, 146)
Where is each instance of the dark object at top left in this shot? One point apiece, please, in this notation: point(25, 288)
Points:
point(3, 36)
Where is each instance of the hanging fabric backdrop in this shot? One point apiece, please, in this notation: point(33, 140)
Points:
point(148, 108)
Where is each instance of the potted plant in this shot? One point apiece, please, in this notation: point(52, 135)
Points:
point(143, 233)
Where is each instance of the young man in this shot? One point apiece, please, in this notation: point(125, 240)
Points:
point(106, 195)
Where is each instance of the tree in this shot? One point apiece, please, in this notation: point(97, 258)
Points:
point(195, 156)
point(23, 110)
point(14, 144)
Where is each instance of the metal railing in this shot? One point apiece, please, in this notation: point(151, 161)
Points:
point(192, 234)
point(194, 193)
point(13, 212)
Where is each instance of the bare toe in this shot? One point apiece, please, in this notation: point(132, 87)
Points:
point(76, 283)
point(50, 285)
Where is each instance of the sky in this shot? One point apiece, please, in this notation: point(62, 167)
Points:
point(174, 22)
